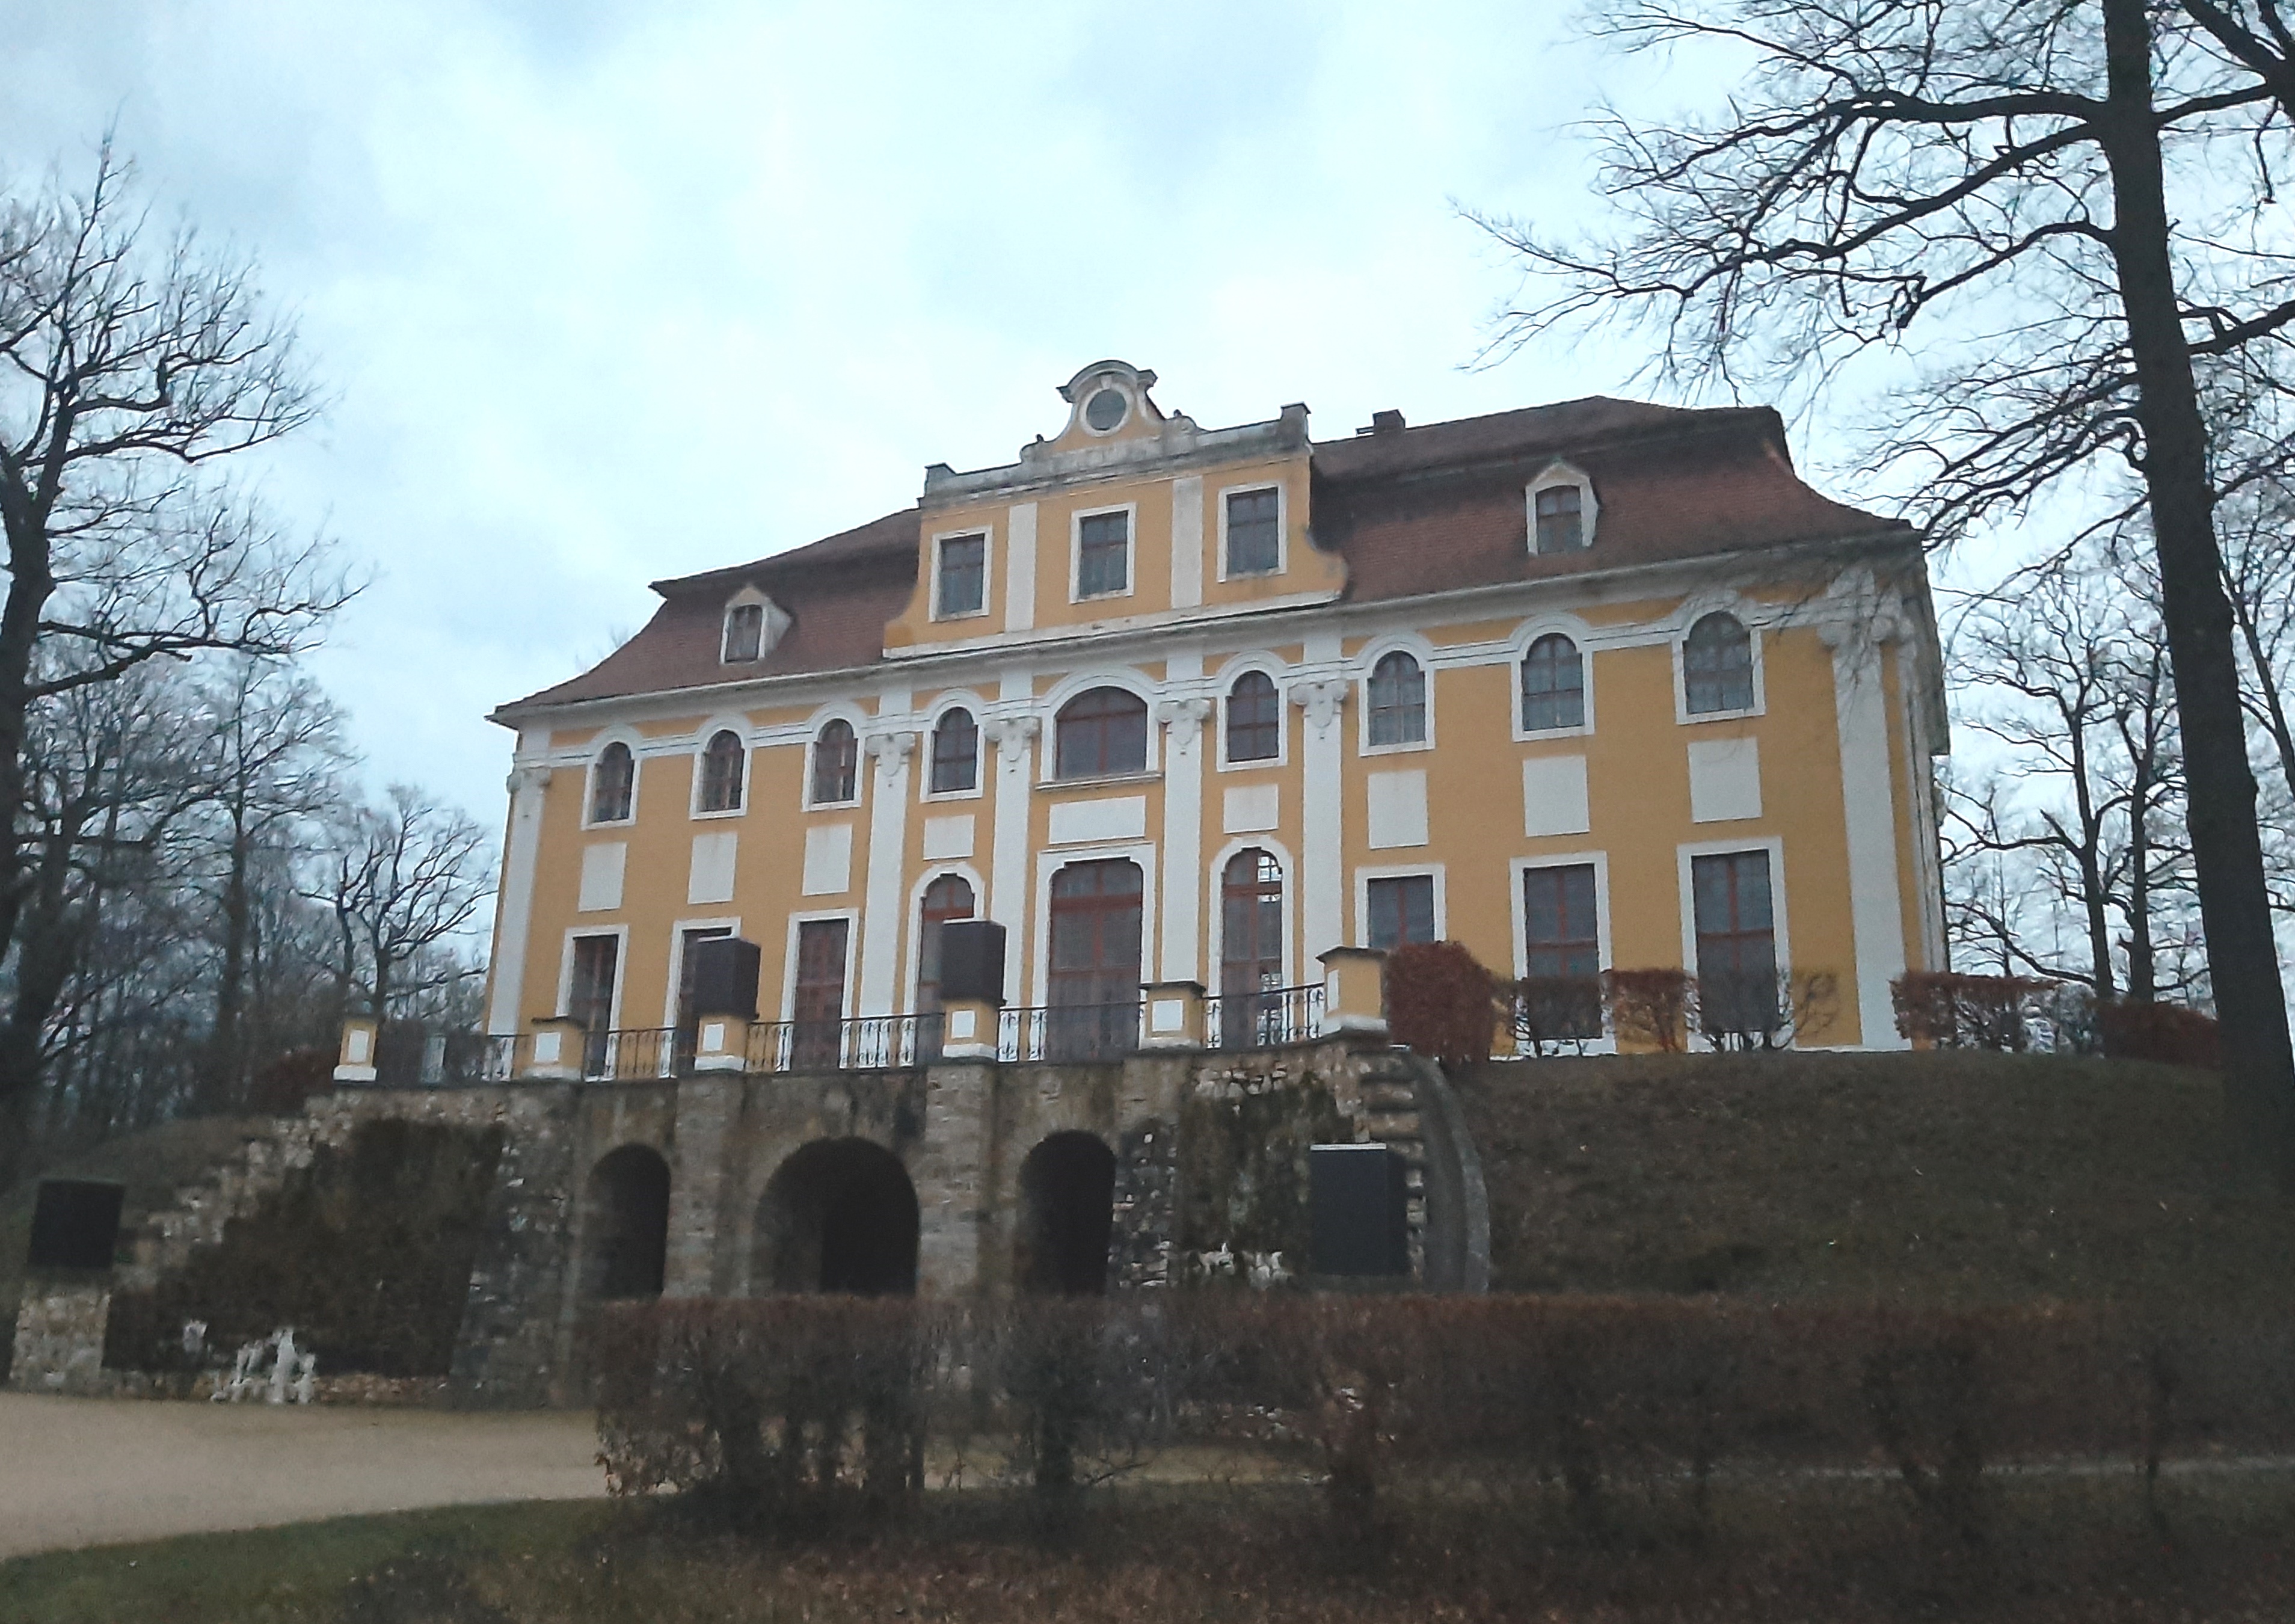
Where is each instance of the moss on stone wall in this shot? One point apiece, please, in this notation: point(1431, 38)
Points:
point(1243, 1174)
point(367, 1254)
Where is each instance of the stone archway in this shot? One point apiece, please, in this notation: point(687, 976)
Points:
point(625, 1226)
point(1067, 1215)
point(839, 1215)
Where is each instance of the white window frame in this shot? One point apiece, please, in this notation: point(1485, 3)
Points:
point(1272, 668)
point(1530, 631)
point(1131, 511)
point(1402, 870)
point(1050, 863)
point(1555, 475)
point(1694, 611)
point(1048, 740)
point(980, 747)
point(1418, 649)
point(632, 741)
point(1282, 530)
point(731, 924)
point(987, 538)
point(1516, 868)
point(852, 717)
point(912, 933)
point(738, 726)
point(1779, 915)
point(851, 917)
point(1215, 905)
point(621, 933)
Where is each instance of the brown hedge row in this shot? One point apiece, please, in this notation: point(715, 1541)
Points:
point(795, 1402)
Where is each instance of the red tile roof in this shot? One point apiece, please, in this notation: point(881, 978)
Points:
point(1412, 511)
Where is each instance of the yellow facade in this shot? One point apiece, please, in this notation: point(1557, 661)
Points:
point(1827, 771)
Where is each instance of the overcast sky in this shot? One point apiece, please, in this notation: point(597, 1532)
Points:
point(607, 292)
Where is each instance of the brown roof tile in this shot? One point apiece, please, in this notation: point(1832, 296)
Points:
point(1414, 511)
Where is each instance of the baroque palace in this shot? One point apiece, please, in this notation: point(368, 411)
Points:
point(1600, 684)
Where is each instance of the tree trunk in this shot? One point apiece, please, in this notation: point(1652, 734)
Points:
point(2227, 846)
point(222, 1081)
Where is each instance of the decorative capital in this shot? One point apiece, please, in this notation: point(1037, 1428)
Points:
point(1012, 735)
point(1321, 698)
point(890, 750)
point(1184, 717)
point(531, 778)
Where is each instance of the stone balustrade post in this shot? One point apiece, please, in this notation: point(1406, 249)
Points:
point(1354, 991)
point(553, 1050)
point(721, 1042)
point(967, 1029)
point(1174, 1014)
point(354, 1061)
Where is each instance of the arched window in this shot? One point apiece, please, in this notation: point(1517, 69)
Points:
point(1254, 719)
point(721, 772)
point(1717, 664)
point(1553, 685)
point(1397, 701)
point(1251, 950)
point(955, 753)
point(1100, 731)
point(836, 764)
point(949, 897)
point(613, 784)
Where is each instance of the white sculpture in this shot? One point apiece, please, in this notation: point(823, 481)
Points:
point(294, 1374)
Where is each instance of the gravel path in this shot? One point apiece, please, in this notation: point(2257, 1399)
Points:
point(79, 1471)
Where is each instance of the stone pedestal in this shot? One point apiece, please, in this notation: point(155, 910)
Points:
point(1173, 1015)
point(354, 1061)
point(968, 1030)
point(553, 1050)
point(720, 1043)
point(1354, 991)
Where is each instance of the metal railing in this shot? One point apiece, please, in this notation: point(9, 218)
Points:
point(1068, 1031)
point(416, 1055)
point(636, 1054)
point(867, 1043)
point(1263, 1019)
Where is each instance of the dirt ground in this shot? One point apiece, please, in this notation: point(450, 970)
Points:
point(82, 1471)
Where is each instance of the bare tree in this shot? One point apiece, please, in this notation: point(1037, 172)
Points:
point(404, 881)
point(1988, 188)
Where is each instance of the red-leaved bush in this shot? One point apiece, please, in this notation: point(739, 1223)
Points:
point(2159, 1032)
point(1441, 1001)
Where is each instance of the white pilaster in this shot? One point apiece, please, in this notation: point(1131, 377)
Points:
point(1188, 542)
point(528, 786)
point(1869, 811)
point(1183, 835)
point(1020, 567)
point(1322, 858)
point(1014, 738)
point(888, 827)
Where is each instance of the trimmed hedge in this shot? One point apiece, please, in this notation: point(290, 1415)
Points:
point(797, 1404)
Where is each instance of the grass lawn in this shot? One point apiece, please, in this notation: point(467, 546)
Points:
point(1942, 1177)
point(2078, 1550)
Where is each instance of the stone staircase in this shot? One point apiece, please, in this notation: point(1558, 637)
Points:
point(164, 1238)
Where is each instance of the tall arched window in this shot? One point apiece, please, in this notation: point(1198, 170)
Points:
point(949, 897)
point(1100, 731)
point(836, 764)
point(613, 784)
point(1717, 664)
point(955, 753)
point(1254, 719)
point(1251, 950)
point(1553, 685)
point(721, 772)
point(1397, 701)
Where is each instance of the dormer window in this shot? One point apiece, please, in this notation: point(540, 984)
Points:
point(1562, 510)
point(745, 634)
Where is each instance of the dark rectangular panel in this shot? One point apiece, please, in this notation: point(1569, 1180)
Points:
point(75, 1224)
point(1358, 1196)
point(724, 976)
point(972, 961)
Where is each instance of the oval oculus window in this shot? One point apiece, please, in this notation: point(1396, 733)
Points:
point(1104, 410)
